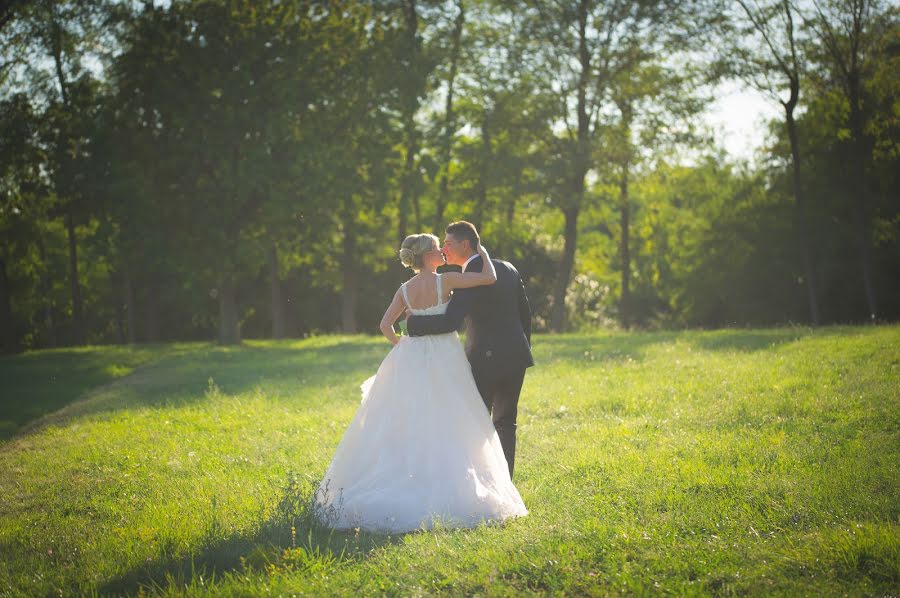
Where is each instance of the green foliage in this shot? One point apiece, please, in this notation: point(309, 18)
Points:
point(760, 461)
point(244, 169)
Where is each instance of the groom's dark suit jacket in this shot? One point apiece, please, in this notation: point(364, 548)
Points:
point(498, 322)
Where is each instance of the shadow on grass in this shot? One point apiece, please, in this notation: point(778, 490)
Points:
point(278, 369)
point(748, 341)
point(293, 539)
point(622, 346)
point(44, 388)
point(35, 384)
point(601, 348)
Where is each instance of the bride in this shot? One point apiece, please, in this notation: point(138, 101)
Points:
point(421, 450)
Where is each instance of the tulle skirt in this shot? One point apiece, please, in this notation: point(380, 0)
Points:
point(421, 450)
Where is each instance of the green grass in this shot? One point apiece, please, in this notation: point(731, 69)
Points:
point(38, 383)
point(693, 463)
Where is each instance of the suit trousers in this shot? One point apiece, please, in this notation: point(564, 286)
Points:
point(501, 397)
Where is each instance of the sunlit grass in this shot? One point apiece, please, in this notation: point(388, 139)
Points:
point(761, 461)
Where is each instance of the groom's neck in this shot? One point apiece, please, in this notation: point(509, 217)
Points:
point(466, 258)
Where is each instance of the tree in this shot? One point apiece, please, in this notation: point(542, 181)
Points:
point(449, 124)
point(23, 208)
point(849, 33)
point(578, 49)
point(766, 53)
point(250, 107)
point(60, 35)
point(656, 106)
point(414, 67)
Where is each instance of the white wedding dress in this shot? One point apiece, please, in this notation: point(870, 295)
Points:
point(421, 450)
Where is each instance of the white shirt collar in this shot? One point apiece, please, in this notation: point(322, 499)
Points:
point(469, 261)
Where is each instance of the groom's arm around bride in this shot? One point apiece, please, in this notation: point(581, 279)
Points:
point(498, 330)
point(463, 300)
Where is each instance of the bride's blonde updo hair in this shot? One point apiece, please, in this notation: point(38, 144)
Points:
point(414, 248)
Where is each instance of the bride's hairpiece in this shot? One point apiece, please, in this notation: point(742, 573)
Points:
point(414, 247)
point(407, 256)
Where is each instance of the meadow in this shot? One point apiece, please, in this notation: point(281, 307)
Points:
point(762, 462)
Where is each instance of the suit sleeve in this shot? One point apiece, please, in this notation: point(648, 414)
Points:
point(524, 310)
point(460, 305)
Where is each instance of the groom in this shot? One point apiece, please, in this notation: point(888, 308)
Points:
point(498, 331)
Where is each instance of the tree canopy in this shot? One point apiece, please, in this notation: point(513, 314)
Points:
point(217, 169)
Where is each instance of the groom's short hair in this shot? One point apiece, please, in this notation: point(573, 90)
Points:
point(462, 230)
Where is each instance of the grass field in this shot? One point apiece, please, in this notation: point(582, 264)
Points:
point(692, 463)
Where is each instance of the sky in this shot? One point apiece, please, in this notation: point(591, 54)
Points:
point(739, 120)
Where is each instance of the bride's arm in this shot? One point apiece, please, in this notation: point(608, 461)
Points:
point(390, 316)
point(464, 280)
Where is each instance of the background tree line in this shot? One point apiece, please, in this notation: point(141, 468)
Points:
point(218, 169)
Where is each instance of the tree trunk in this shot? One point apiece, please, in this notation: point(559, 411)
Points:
point(408, 198)
point(625, 106)
point(449, 121)
point(77, 317)
point(349, 268)
point(417, 210)
point(77, 320)
point(503, 248)
point(278, 325)
point(558, 318)
point(56, 50)
point(151, 311)
point(407, 185)
point(116, 285)
point(46, 299)
point(860, 206)
point(441, 203)
point(580, 167)
point(624, 252)
point(801, 224)
point(402, 217)
point(516, 192)
point(229, 327)
point(481, 187)
point(861, 230)
point(130, 305)
point(7, 331)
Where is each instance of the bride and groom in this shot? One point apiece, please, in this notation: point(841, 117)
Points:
point(434, 439)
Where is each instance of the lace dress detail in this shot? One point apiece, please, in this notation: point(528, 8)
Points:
point(421, 450)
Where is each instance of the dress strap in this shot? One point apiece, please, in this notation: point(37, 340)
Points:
point(440, 293)
point(405, 296)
